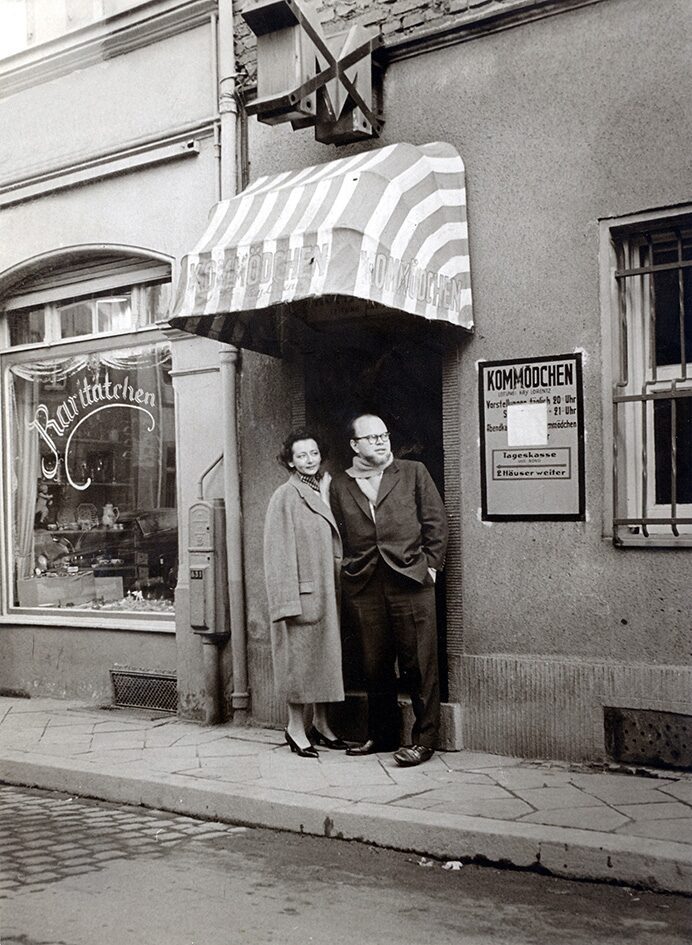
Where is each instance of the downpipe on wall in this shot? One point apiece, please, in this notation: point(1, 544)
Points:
point(240, 696)
point(229, 360)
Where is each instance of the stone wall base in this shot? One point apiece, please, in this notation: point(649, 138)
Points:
point(547, 707)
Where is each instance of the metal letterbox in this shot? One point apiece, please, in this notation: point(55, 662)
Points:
point(207, 568)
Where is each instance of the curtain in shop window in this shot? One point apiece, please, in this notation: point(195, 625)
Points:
point(24, 472)
point(92, 476)
point(142, 448)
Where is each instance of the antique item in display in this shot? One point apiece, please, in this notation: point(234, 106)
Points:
point(87, 515)
point(110, 515)
point(44, 500)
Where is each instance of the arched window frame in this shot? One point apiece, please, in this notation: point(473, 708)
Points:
point(47, 284)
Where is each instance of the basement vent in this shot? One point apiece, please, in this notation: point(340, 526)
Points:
point(647, 737)
point(143, 690)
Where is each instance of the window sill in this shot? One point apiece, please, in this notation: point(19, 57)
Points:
point(119, 622)
point(653, 541)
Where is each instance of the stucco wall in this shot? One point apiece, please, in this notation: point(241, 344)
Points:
point(126, 210)
point(162, 208)
point(396, 19)
point(265, 420)
point(121, 99)
point(561, 122)
point(64, 662)
point(199, 442)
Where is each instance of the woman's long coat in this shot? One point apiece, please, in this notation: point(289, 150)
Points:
point(302, 561)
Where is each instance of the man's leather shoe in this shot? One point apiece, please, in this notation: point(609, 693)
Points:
point(370, 747)
point(415, 755)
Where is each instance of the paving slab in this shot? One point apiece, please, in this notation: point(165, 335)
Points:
point(554, 798)
point(682, 790)
point(586, 818)
point(566, 819)
point(658, 811)
point(678, 830)
point(497, 809)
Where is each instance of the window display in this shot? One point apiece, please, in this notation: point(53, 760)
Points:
point(93, 486)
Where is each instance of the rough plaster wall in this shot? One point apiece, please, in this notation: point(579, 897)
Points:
point(395, 18)
point(560, 122)
point(131, 210)
point(264, 422)
point(145, 92)
point(199, 441)
point(65, 663)
point(550, 148)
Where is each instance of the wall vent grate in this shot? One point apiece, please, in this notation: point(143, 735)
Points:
point(648, 737)
point(138, 689)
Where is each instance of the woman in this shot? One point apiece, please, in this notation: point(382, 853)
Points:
point(302, 557)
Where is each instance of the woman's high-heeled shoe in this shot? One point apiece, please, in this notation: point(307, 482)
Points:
point(310, 752)
point(317, 738)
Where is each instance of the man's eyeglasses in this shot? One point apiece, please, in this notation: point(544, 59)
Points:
point(373, 438)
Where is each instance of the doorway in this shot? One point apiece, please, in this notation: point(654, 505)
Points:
point(401, 381)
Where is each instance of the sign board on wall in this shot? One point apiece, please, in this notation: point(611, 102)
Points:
point(532, 439)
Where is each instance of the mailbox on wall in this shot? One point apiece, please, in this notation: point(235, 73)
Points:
point(207, 564)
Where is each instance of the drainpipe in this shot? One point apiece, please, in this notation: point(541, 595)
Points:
point(240, 698)
point(228, 110)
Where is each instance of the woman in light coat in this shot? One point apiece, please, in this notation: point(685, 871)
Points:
point(302, 559)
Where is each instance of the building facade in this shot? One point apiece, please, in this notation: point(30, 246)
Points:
point(565, 609)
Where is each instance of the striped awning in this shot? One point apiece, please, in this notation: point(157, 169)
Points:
point(365, 237)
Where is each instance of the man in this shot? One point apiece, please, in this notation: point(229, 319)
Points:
point(394, 529)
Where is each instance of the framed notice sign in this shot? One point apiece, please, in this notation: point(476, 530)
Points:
point(532, 439)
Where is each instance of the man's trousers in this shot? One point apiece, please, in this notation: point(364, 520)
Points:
point(395, 618)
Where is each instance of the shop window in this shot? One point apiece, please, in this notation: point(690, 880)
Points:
point(96, 314)
point(90, 457)
point(27, 327)
point(652, 384)
point(93, 438)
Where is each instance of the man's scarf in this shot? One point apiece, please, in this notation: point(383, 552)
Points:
point(368, 478)
point(363, 469)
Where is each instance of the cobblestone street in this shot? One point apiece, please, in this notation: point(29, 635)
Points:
point(45, 838)
point(84, 872)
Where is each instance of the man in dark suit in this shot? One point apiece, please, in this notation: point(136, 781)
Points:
point(394, 529)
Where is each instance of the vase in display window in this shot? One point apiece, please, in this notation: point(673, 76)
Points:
point(110, 515)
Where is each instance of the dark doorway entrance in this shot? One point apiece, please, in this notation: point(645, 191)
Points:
point(401, 381)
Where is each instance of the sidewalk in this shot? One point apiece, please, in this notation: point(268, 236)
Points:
point(565, 819)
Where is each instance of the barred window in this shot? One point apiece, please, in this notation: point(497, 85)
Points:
point(652, 383)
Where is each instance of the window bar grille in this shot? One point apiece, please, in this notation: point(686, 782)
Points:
point(616, 488)
point(681, 307)
point(646, 269)
point(673, 401)
point(623, 373)
point(673, 463)
point(645, 460)
point(652, 310)
point(623, 379)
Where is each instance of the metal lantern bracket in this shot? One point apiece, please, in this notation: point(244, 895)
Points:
point(313, 80)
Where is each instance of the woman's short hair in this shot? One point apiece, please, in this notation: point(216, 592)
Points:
point(285, 455)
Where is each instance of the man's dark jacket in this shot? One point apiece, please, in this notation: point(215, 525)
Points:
point(410, 530)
